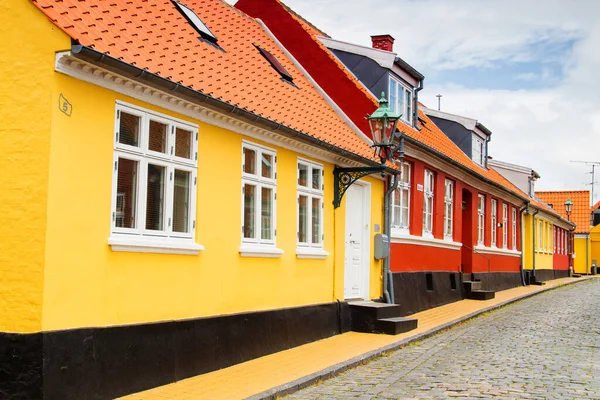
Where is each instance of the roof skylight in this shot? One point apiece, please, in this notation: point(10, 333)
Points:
point(196, 22)
point(275, 64)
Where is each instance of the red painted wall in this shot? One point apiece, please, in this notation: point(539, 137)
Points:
point(560, 261)
point(411, 258)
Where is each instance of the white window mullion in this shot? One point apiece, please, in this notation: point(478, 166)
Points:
point(170, 200)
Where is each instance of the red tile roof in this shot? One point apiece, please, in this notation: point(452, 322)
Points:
point(581, 206)
point(153, 35)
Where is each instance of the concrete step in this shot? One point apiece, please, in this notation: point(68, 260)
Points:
point(481, 295)
point(471, 285)
point(395, 326)
point(374, 310)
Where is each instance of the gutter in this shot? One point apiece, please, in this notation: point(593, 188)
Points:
point(121, 67)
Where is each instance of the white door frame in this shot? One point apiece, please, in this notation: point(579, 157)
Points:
point(365, 239)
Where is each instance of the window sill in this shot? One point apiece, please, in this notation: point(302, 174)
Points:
point(495, 250)
point(154, 245)
point(259, 250)
point(311, 252)
point(426, 241)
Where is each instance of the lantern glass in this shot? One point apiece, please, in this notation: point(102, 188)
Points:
point(390, 128)
point(376, 126)
point(568, 206)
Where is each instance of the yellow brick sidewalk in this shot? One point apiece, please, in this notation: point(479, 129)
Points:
point(255, 376)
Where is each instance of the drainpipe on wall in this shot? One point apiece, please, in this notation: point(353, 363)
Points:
point(587, 263)
point(534, 236)
point(521, 211)
point(416, 105)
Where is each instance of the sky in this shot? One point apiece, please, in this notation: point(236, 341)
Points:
point(529, 70)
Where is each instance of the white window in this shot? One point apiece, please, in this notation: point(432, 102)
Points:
point(480, 219)
point(505, 225)
point(259, 194)
point(540, 236)
point(154, 182)
point(428, 204)
point(448, 208)
point(477, 150)
point(494, 224)
point(310, 204)
point(401, 200)
point(554, 240)
point(401, 99)
point(514, 228)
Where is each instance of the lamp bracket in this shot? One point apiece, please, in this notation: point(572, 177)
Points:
point(343, 178)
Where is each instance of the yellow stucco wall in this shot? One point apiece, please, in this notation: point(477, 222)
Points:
point(26, 102)
point(87, 284)
point(595, 244)
point(581, 265)
point(543, 254)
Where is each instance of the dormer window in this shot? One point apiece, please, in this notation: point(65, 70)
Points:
point(196, 22)
point(401, 100)
point(285, 76)
point(478, 150)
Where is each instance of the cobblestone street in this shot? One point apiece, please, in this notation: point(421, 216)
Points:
point(544, 347)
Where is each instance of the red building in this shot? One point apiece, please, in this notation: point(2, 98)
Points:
point(453, 219)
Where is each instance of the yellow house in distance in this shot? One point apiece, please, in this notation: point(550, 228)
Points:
point(580, 215)
point(595, 236)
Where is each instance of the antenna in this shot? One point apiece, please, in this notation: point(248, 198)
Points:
point(439, 96)
point(593, 182)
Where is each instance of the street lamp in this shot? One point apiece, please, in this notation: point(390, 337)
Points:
point(568, 208)
point(383, 124)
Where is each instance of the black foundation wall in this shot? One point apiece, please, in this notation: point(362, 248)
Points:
point(418, 291)
point(497, 281)
point(20, 366)
point(104, 363)
point(543, 275)
point(561, 273)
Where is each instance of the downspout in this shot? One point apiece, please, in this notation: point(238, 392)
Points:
point(521, 211)
point(587, 263)
point(533, 239)
point(487, 140)
point(416, 105)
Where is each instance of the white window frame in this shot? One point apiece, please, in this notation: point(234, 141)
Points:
point(140, 239)
point(428, 202)
point(540, 235)
point(309, 249)
point(256, 246)
point(448, 209)
point(514, 228)
point(481, 219)
point(505, 225)
point(554, 240)
point(402, 227)
point(494, 224)
point(403, 92)
point(478, 150)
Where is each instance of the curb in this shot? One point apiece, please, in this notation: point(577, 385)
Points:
point(330, 372)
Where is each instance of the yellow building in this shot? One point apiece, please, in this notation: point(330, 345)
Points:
point(580, 216)
point(168, 198)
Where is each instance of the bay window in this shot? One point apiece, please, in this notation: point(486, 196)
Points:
point(401, 200)
point(428, 204)
point(494, 213)
point(258, 195)
point(448, 208)
point(154, 182)
point(310, 206)
point(480, 219)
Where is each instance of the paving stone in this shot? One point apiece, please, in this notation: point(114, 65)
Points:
point(544, 347)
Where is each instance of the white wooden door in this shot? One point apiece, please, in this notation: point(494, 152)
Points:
point(356, 266)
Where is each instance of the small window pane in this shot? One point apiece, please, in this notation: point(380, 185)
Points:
point(181, 201)
point(183, 143)
point(316, 221)
point(129, 129)
point(267, 165)
point(316, 178)
point(125, 212)
point(266, 213)
point(303, 219)
point(392, 96)
point(303, 175)
point(249, 211)
point(158, 137)
point(155, 197)
point(249, 161)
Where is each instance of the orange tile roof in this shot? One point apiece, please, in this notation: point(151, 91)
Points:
point(595, 206)
point(581, 206)
point(153, 35)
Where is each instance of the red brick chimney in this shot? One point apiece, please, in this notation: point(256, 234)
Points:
point(383, 42)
